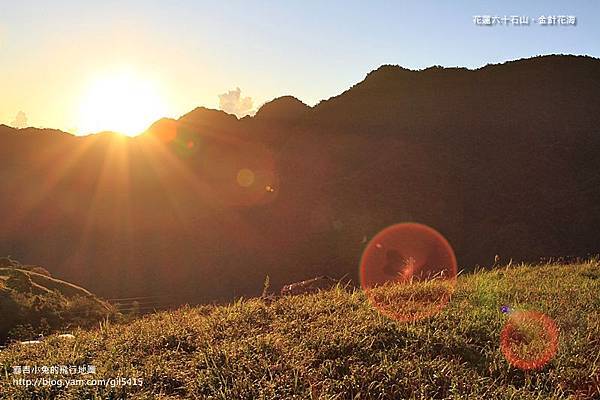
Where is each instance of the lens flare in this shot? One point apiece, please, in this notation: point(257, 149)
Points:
point(529, 340)
point(245, 177)
point(408, 271)
point(242, 174)
point(165, 130)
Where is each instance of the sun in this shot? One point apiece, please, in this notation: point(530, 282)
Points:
point(121, 101)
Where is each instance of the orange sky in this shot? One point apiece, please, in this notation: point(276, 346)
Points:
point(54, 56)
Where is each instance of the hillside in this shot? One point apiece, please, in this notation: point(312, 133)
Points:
point(335, 345)
point(500, 160)
point(33, 303)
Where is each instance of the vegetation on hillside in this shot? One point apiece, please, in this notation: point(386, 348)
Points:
point(34, 303)
point(478, 155)
point(335, 345)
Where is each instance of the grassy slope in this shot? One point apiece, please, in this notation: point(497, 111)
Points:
point(333, 345)
point(28, 298)
point(43, 284)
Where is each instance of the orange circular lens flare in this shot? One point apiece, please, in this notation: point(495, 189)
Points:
point(245, 177)
point(529, 340)
point(408, 271)
point(165, 130)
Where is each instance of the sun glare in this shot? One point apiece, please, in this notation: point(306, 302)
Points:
point(123, 102)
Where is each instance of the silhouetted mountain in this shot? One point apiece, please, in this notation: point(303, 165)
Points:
point(501, 160)
point(283, 109)
point(205, 117)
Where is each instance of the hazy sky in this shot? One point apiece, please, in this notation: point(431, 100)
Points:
point(52, 52)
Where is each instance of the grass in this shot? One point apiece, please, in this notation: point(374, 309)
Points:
point(335, 345)
point(32, 303)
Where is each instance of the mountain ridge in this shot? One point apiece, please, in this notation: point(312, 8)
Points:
point(372, 78)
point(501, 160)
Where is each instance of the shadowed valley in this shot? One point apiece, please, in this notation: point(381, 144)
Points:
point(501, 160)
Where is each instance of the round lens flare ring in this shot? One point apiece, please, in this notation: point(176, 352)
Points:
point(529, 339)
point(408, 272)
point(245, 177)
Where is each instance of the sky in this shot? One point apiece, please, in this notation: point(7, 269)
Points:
point(69, 64)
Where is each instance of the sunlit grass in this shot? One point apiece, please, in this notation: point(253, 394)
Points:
point(336, 345)
point(411, 301)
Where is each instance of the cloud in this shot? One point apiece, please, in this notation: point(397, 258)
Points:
point(20, 121)
point(232, 102)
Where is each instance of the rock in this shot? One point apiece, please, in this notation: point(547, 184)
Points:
point(309, 286)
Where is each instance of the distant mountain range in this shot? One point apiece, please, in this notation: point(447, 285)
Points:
point(502, 160)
